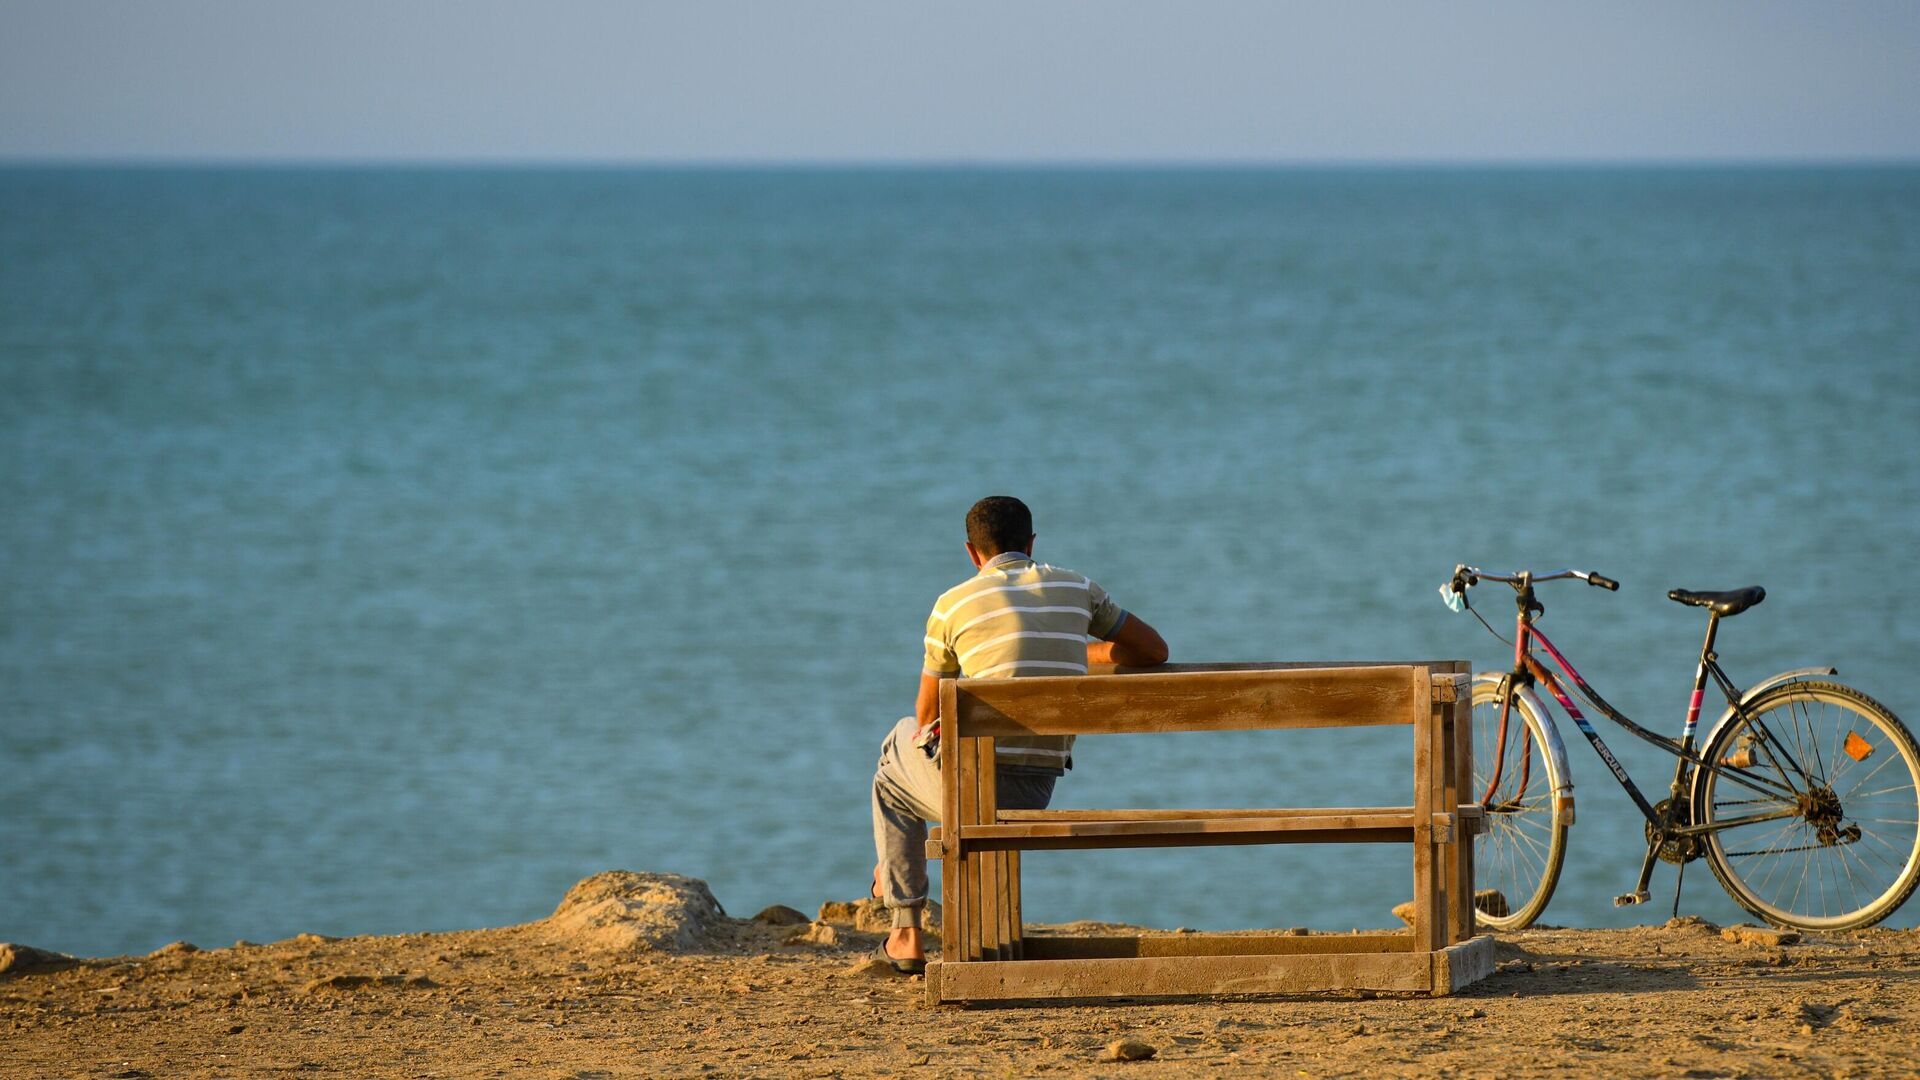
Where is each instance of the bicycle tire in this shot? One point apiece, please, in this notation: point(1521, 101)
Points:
point(1804, 870)
point(1524, 844)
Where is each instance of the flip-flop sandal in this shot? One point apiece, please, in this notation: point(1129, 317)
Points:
point(900, 967)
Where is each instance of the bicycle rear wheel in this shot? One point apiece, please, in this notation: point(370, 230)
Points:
point(1517, 859)
point(1817, 792)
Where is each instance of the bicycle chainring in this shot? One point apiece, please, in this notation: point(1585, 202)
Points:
point(1676, 849)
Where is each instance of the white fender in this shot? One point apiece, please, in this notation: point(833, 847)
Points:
point(1752, 692)
point(1555, 749)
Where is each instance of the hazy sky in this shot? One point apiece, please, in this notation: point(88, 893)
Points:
point(706, 81)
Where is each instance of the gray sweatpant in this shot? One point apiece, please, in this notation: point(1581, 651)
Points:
point(906, 795)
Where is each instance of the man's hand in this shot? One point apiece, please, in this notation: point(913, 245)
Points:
point(1135, 644)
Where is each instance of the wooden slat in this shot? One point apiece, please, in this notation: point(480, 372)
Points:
point(1459, 966)
point(1183, 815)
point(1198, 827)
point(1271, 665)
point(953, 916)
point(1197, 701)
point(1393, 824)
point(1181, 839)
point(1092, 948)
point(1461, 727)
point(986, 866)
point(1016, 931)
point(1428, 905)
point(1182, 976)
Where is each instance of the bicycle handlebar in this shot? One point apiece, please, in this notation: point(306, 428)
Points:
point(1466, 577)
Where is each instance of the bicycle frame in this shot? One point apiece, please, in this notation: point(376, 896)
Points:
point(1528, 670)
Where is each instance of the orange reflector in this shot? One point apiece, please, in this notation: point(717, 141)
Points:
point(1858, 748)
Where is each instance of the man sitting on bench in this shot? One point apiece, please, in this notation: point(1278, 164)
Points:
point(1016, 617)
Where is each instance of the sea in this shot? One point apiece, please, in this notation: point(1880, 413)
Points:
point(386, 549)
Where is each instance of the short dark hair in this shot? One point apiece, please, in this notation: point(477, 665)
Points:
point(999, 523)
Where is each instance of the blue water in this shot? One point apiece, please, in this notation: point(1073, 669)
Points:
point(385, 550)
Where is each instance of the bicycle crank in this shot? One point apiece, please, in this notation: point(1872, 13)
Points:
point(1678, 850)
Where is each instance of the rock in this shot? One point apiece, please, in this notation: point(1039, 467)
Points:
point(1761, 936)
point(243, 943)
point(25, 958)
point(173, 948)
point(1816, 1014)
point(1513, 967)
point(355, 982)
point(780, 915)
point(871, 967)
point(1127, 1050)
point(1493, 902)
point(624, 911)
point(819, 933)
point(1404, 912)
point(870, 916)
point(1690, 922)
point(336, 982)
point(310, 939)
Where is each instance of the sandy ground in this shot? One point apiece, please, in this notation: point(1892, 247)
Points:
point(1656, 1001)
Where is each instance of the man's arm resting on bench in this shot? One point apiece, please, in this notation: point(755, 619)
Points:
point(1134, 644)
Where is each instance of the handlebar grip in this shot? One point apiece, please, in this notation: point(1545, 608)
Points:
point(1603, 582)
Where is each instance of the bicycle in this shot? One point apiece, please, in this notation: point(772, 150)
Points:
point(1784, 796)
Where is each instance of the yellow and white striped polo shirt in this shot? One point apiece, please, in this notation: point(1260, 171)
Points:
point(1015, 618)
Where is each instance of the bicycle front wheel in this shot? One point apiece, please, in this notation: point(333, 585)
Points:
point(1814, 802)
point(1517, 858)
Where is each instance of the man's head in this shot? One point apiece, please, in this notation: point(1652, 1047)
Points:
point(998, 524)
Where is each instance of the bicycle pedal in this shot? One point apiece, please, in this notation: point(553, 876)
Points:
point(1631, 898)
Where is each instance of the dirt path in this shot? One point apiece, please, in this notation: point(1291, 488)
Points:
point(1665, 1001)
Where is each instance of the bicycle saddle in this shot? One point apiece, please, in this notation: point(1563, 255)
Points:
point(1722, 603)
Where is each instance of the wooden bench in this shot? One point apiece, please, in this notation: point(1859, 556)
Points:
point(985, 953)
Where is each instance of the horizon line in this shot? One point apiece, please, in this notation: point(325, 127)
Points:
point(823, 164)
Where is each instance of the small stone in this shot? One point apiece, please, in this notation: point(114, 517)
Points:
point(243, 943)
point(1127, 1050)
point(1473, 1014)
point(336, 982)
point(871, 966)
point(1690, 922)
point(871, 916)
point(819, 933)
point(1513, 967)
point(1404, 912)
point(311, 939)
point(22, 958)
point(1761, 936)
point(780, 915)
point(1294, 931)
point(236, 1029)
point(173, 948)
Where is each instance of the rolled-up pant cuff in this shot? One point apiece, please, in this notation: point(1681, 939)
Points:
point(907, 918)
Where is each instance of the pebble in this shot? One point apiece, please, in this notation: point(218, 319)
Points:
point(819, 933)
point(1127, 1050)
point(1763, 936)
point(780, 915)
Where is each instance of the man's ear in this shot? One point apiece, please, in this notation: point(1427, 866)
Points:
point(978, 562)
point(1030, 539)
